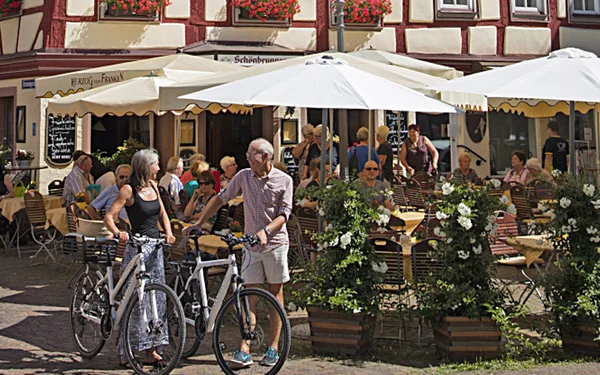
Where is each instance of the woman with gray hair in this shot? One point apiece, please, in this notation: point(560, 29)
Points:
point(144, 208)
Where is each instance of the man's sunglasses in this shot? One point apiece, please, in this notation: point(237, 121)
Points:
point(204, 183)
point(371, 169)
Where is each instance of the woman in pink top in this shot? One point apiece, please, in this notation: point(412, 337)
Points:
point(518, 173)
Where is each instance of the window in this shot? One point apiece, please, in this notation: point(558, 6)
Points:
point(585, 7)
point(528, 10)
point(457, 9)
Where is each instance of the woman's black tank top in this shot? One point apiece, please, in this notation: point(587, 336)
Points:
point(143, 215)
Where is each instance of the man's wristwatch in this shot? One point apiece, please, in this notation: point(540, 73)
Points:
point(267, 231)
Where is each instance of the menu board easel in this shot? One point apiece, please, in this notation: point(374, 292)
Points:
point(60, 140)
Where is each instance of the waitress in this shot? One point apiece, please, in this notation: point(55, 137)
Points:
point(418, 153)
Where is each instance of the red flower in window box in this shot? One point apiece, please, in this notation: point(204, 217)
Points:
point(280, 10)
point(9, 7)
point(365, 11)
point(136, 6)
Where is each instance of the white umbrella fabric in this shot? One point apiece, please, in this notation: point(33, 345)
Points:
point(322, 82)
point(569, 74)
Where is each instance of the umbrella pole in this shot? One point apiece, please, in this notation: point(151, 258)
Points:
point(572, 152)
point(370, 132)
point(331, 141)
point(323, 150)
point(343, 146)
point(177, 133)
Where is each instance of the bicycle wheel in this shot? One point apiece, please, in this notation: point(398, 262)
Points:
point(86, 309)
point(188, 299)
point(145, 332)
point(268, 317)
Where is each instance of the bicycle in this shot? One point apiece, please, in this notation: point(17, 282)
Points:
point(229, 320)
point(95, 311)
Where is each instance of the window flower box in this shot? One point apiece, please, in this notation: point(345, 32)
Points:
point(264, 12)
point(10, 8)
point(362, 14)
point(141, 10)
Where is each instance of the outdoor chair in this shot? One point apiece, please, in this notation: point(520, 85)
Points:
point(415, 196)
point(424, 179)
point(184, 199)
point(541, 190)
point(36, 214)
point(309, 224)
point(238, 214)
point(518, 195)
point(400, 195)
point(297, 255)
point(56, 187)
point(222, 219)
point(166, 199)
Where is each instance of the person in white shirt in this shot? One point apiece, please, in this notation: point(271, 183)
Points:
point(109, 195)
point(78, 180)
point(170, 181)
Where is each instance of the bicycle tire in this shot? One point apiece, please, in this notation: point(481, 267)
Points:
point(175, 307)
point(84, 286)
point(283, 350)
point(186, 299)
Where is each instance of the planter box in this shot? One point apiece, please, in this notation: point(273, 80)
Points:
point(460, 338)
point(581, 340)
point(106, 13)
point(241, 16)
point(339, 332)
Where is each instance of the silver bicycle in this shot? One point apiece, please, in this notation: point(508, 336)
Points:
point(96, 309)
point(251, 318)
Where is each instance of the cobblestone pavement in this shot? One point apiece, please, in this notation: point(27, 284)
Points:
point(35, 339)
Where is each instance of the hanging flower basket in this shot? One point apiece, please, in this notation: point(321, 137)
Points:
point(133, 8)
point(364, 13)
point(274, 11)
point(10, 8)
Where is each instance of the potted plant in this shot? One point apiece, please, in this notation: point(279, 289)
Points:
point(10, 8)
point(341, 288)
point(236, 228)
point(458, 297)
point(24, 158)
point(574, 286)
point(365, 12)
point(134, 8)
point(264, 10)
point(80, 200)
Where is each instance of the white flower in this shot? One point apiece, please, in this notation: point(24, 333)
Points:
point(440, 215)
point(463, 209)
point(565, 202)
point(596, 204)
point(381, 267)
point(321, 212)
point(345, 240)
point(472, 240)
point(551, 214)
point(496, 183)
point(449, 240)
point(512, 209)
point(437, 231)
point(463, 255)
point(328, 187)
point(329, 227)
point(465, 222)
point(595, 239)
point(592, 230)
point(334, 242)
point(589, 190)
point(478, 249)
point(433, 244)
point(302, 202)
point(566, 229)
point(556, 173)
point(447, 188)
point(541, 206)
point(488, 228)
point(504, 199)
point(292, 307)
point(357, 311)
point(572, 222)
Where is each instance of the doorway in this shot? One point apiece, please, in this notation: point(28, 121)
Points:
point(230, 134)
point(7, 118)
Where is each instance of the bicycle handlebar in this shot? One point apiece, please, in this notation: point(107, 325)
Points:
point(228, 238)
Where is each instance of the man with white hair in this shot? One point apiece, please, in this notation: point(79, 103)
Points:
point(229, 167)
point(78, 180)
point(170, 181)
point(109, 195)
point(268, 202)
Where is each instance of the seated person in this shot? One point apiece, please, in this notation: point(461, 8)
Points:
point(187, 176)
point(78, 180)
point(519, 172)
point(536, 172)
point(198, 167)
point(6, 186)
point(315, 176)
point(229, 167)
point(200, 199)
point(108, 196)
point(375, 187)
point(170, 181)
point(464, 174)
point(362, 151)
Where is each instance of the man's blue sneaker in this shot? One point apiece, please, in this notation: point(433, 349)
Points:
point(241, 359)
point(270, 358)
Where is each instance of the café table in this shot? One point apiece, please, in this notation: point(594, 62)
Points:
point(532, 247)
point(58, 218)
point(411, 220)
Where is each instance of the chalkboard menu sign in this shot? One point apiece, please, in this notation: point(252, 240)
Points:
point(61, 139)
point(289, 161)
point(397, 126)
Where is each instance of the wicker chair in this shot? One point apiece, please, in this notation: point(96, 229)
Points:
point(309, 224)
point(424, 179)
point(415, 196)
point(297, 254)
point(36, 214)
point(222, 218)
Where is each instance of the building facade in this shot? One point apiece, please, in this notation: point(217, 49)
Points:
point(46, 37)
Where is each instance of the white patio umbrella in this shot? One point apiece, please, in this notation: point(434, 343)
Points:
point(567, 75)
point(322, 82)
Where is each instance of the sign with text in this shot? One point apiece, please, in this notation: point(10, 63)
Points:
point(289, 161)
point(95, 80)
point(27, 84)
point(396, 122)
point(61, 139)
point(251, 60)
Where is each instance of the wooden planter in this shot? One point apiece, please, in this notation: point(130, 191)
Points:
point(129, 14)
point(581, 340)
point(340, 332)
point(460, 338)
